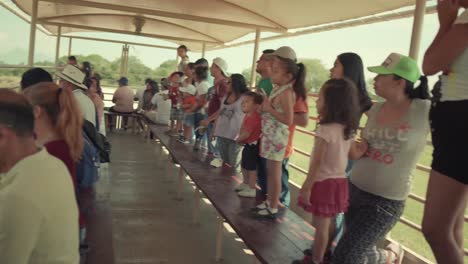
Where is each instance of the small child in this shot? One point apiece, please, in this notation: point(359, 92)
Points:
point(325, 190)
point(177, 113)
point(249, 136)
point(188, 102)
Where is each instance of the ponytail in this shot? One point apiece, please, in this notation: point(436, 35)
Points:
point(299, 84)
point(63, 112)
point(298, 71)
point(69, 123)
point(420, 92)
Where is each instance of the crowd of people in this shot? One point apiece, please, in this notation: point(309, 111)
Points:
point(48, 145)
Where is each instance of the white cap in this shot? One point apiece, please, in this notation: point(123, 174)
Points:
point(73, 75)
point(285, 52)
point(190, 89)
point(222, 64)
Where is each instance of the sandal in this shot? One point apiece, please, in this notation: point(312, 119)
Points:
point(267, 213)
point(399, 252)
point(261, 206)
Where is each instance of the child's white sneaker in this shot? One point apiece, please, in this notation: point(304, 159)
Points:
point(216, 163)
point(241, 187)
point(248, 193)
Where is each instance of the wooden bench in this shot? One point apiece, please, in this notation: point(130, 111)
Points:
point(280, 241)
point(118, 119)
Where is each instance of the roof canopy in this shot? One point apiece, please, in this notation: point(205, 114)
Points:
point(194, 22)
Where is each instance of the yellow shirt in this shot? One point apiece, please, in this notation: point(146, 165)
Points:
point(38, 213)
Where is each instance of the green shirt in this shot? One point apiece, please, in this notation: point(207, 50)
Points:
point(266, 85)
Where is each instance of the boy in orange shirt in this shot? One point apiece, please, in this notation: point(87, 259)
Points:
point(188, 101)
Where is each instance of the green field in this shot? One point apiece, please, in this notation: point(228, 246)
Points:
point(414, 210)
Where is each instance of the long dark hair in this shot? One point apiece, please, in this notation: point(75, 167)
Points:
point(98, 86)
point(341, 105)
point(353, 69)
point(420, 92)
point(201, 73)
point(238, 84)
point(298, 71)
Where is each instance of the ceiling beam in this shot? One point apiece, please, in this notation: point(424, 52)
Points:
point(49, 18)
point(125, 32)
point(334, 26)
point(152, 12)
point(120, 42)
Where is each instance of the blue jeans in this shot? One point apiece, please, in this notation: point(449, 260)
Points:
point(212, 144)
point(262, 176)
point(198, 117)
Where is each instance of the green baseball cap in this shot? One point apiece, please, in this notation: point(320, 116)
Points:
point(400, 65)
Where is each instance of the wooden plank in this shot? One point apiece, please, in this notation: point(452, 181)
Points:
point(280, 241)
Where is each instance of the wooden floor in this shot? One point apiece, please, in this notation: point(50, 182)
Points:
point(147, 224)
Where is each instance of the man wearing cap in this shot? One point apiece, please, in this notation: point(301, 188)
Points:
point(123, 100)
point(219, 72)
point(38, 210)
point(301, 118)
point(72, 78)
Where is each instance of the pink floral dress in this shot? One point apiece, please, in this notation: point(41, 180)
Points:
point(275, 135)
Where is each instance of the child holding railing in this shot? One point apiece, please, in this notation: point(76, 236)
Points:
point(277, 115)
point(325, 190)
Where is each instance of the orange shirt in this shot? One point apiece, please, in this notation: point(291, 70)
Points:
point(299, 107)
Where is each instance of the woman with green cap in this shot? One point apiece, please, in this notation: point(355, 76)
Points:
point(447, 191)
point(392, 142)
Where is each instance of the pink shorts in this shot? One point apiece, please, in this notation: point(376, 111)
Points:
point(328, 198)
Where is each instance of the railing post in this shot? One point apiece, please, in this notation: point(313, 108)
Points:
point(254, 61)
point(219, 239)
point(70, 46)
point(203, 50)
point(196, 206)
point(57, 46)
point(419, 12)
point(179, 183)
point(32, 32)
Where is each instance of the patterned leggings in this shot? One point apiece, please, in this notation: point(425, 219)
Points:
point(368, 220)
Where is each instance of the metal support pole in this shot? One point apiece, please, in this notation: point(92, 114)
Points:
point(57, 46)
point(176, 61)
point(127, 51)
point(254, 61)
point(196, 206)
point(179, 183)
point(70, 46)
point(219, 239)
point(32, 32)
point(122, 61)
point(203, 50)
point(419, 13)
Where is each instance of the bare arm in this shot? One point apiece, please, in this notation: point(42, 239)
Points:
point(243, 135)
point(320, 148)
point(286, 101)
point(357, 150)
point(450, 41)
point(301, 119)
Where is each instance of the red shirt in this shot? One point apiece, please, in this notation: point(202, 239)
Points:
point(174, 95)
point(61, 151)
point(253, 124)
point(219, 92)
point(299, 107)
point(190, 100)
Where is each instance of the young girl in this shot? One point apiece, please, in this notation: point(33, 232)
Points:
point(325, 190)
point(176, 113)
point(57, 124)
point(188, 119)
point(229, 120)
point(277, 116)
point(249, 136)
point(189, 101)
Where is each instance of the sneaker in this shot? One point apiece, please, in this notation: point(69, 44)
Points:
point(241, 187)
point(184, 141)
point(216, 163)
point(248, 193)
point(260, 206)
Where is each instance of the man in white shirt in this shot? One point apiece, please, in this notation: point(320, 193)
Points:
point(38, 211)
point(72, 78)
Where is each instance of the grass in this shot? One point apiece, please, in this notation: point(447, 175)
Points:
point(9, 81)
point(407, 236)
